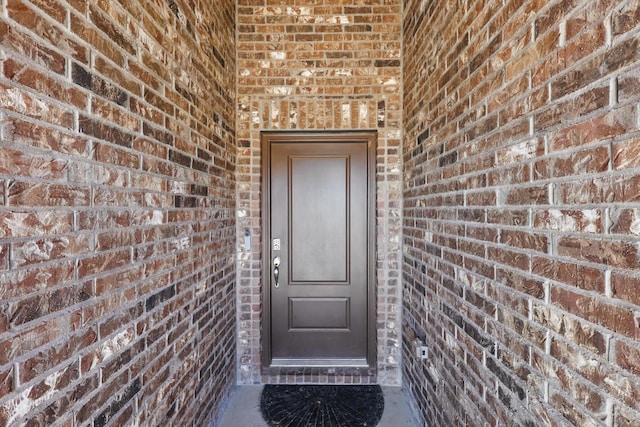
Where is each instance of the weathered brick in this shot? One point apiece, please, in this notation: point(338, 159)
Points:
point(100, 130)
point(625, 221)
point(32, 194)
point(35, 307)
point(55, 412)
point(37, 107)
point(121, 400)
point(608, 252)
point(160, 297)
point(103, 262)
point(150, 147)
point(625, 417)
point(4, 257)
point(107, 25)
point(24, 224)
point(519, 282)
point(569, 409)
point(586, 161)
point(96, 84)
point(43, 136)
point(625, 287)
point(626, 154)
point(58, 381)
point(628, 357)
point(35, 336)
point(570, 221)
point(626, 18)
point(597, 310)
point(106, 153)
point(4, 321)
point(22, 73)
point(599, 128)
point(27, 46)
point(50, 249)
point(25, 405)
point(607, 189)
point(119, 319)
point(120, 297)
point(519, 239)
point(104, 395)
point(123, 419)
point(57, 35)
point(576, 331)
point(122, 360)
point(611, 61)
point(590, 279)
point(103, 219)
point(90, 35)
point(571, 109)
point(536, 195)
point(585, 44)
point(6, 382)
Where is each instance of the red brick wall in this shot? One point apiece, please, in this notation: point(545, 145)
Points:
point(117, 195)
point(521, 215)
point(318, 65)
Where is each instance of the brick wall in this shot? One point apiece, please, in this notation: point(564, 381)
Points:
point(521, 235)
point(117, 211)
point(330, 64)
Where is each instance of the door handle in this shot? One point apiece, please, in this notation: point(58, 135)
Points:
point(276, 271)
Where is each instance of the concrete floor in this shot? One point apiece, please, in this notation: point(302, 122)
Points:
point(243, 409)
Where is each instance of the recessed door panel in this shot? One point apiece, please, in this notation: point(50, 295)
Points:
point(319, 313)
point(319, 221)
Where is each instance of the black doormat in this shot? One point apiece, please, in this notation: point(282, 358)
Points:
point(322, 405)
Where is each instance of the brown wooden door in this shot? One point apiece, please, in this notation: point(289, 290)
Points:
point(319, 222)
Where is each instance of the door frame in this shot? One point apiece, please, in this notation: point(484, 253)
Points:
point(266, 139)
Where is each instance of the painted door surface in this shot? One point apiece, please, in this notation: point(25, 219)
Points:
point(319, 230)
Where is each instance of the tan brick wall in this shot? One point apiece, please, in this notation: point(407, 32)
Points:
point(521, 238)
point(314, 66)
point(117, 201)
